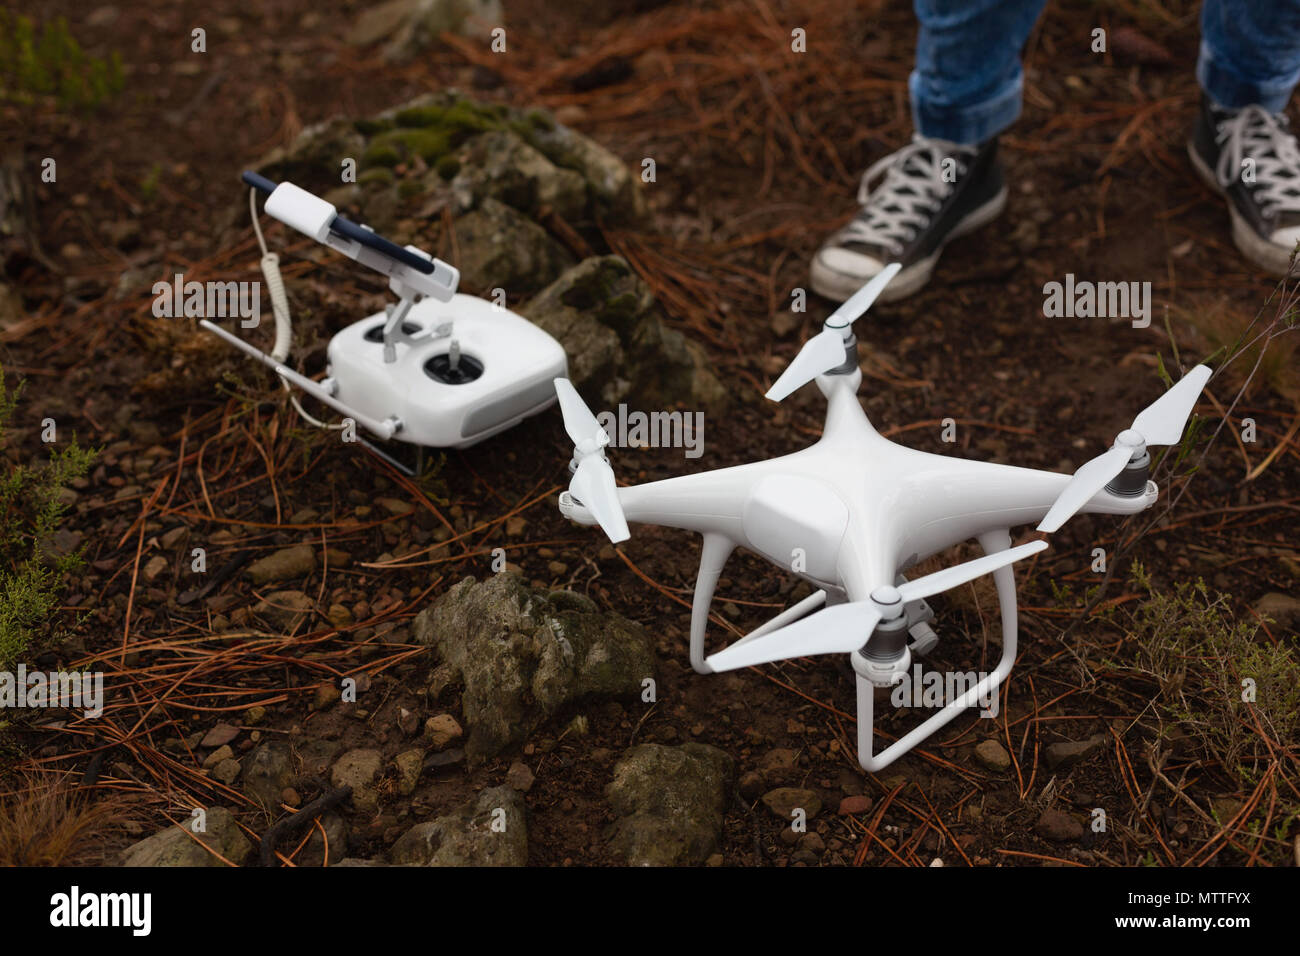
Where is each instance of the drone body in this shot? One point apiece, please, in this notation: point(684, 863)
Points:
point(852, 513)
point(438, 368)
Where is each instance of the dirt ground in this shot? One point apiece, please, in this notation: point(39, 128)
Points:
point(757, 152)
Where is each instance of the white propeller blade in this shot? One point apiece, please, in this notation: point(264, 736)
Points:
point(845, 628)
point(945, 579)
point(578, 420)
point(1160, 423)
point(593, 482)
point(825, 350)
point(841, 629)
point(1087, 481)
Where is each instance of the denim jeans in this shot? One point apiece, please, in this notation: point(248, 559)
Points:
point(967, 83)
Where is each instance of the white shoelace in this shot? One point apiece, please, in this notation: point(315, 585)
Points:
point(1254, 133)
point(910, 194)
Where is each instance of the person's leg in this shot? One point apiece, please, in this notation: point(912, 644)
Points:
point(967, 84)
point(1250, 52)
point(965, 90)
point(1242, 145)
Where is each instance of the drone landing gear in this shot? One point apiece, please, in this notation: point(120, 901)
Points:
point(713, 556)
point(1004, 579)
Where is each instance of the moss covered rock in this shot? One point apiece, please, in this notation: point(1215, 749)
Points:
point(670, 802)
point(521, 655)
point(604, 315)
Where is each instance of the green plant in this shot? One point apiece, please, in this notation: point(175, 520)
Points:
point(31, 510)
point(50, 62)
point(1208, 667)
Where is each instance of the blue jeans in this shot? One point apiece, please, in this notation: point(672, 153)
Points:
point(967, 83)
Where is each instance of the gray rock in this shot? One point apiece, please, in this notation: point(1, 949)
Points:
point(222, 733)
point(993, 755)
point(499, 165)
point(287, 564)
point(410, 764)
point(501, 248)
point(783, 801)
point(1282, 608)
point(337, 833)
point(618, 346)
point(268, 769)
point(521, 655)
point(358, 769)
point(317, 148)
point(286, 609)
point(181, 847)
point(410, 26)
point(227, 771)
point(520, 777)
point(670, 802)
point(1067, 753)
point(490, 830)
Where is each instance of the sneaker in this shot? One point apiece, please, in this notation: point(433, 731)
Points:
point(1249, 156)
point(912, 214)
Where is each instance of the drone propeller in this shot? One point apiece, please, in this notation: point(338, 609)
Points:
point(825, 350)
point(1160, 423)
point(847, 627)
point(593, 480)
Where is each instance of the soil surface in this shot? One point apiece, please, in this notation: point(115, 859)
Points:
point(757, 151)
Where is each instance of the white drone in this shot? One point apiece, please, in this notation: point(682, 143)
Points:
point(852, 512)
point(438, 369)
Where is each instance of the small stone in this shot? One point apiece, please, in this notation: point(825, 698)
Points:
point(993, 755)
point(1068, 753)
point(855, 804)
point(751, 785)
point(227, 771)
point(715, 860)
point(1282, 608)
point(1059, 826)
point(410, 764)
point(222, 733)
point(442, 730)
point(358, 769)
point(778, 761)
point(813, 843)
point(784, 801)
point(339, 616)
point(326, 694)
point(283, 565)
point(408, 722)
point(155, 567)
point(395, 506)
point(255, 715)
point(221, 753)
point(519, 777)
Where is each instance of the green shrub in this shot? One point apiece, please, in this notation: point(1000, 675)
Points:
point(31, 510)
point(50, 62)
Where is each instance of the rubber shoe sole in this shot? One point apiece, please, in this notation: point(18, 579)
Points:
point(1267, 255)
point(838, 286)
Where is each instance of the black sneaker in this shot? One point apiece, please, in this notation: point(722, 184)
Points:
point(920, 206)
point(1249, 156)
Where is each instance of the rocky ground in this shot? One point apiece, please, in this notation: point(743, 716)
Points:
point(375, 669)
